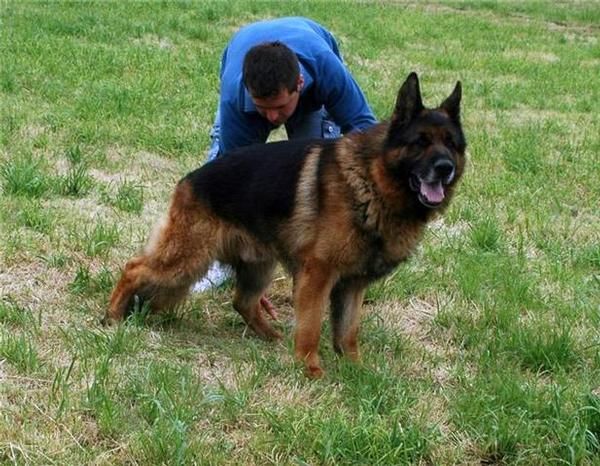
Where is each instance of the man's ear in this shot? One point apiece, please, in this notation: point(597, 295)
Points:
point(300, 83)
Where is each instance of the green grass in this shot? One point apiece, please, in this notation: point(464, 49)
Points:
point(24, 176)
point(484, 347)
point(20, 352)
point(127, 196)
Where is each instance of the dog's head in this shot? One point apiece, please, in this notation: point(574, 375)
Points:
point(425, 148)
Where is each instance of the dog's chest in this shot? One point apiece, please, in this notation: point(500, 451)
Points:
point(378, 266)
point(377, 261)
point(381, 256)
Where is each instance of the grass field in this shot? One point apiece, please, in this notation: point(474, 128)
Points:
point(483, 348)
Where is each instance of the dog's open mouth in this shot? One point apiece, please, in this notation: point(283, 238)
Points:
point(431, 194)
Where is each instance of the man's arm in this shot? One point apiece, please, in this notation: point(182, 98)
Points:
point(342, 97)
point(239, 129)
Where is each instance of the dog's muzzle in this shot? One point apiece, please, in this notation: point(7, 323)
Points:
point(430, 184)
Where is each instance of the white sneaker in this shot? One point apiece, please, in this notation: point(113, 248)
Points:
point(217, 275)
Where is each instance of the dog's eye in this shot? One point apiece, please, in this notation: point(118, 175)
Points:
point(423, 140)
point(449, 141)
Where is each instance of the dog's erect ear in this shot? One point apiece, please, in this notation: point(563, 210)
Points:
point(452, 104)
point(408, 103)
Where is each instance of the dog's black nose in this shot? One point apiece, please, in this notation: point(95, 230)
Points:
point(444, 168)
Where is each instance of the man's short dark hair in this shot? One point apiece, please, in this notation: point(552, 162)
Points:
point(269, 68)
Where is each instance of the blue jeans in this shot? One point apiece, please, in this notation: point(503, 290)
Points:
point(313, 125)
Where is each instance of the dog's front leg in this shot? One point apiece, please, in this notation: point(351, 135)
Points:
point(346, 303)
point(313, 286)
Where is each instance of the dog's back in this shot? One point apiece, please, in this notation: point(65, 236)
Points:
point(253, 187)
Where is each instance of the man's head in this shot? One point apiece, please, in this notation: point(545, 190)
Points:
point(271, 74)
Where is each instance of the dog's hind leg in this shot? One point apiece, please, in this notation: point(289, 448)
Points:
point(122, 297)
point(181, 249)
point(346, 303)
point(252, 280)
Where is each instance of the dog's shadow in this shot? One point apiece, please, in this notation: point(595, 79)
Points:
point(207, 329)
point(210, 317)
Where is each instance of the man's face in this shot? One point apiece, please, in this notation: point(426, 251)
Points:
point(278, 108)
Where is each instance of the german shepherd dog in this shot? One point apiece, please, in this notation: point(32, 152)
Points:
point(338, 214)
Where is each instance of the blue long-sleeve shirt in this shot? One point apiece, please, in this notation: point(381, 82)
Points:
point(327, 81)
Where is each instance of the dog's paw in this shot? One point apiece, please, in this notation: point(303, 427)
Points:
point(275, 335)
point(315, 372)
point(107, 321)
point(266, 331)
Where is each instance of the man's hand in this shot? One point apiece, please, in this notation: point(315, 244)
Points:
point(268, 307)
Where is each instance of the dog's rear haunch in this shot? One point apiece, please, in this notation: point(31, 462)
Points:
point(338, 214)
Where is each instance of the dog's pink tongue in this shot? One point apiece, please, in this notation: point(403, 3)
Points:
point(433, 192)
